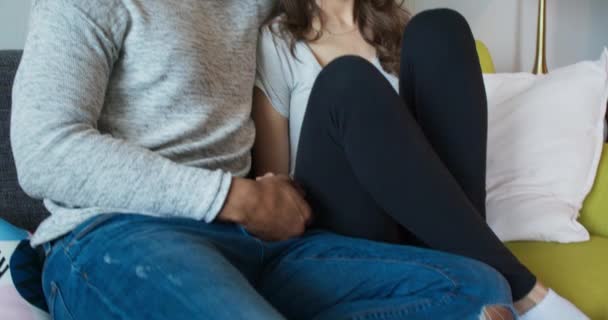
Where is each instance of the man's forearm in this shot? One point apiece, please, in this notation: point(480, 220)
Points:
point(87, 169)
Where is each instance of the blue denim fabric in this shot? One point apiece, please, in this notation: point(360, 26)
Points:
point(138, 267)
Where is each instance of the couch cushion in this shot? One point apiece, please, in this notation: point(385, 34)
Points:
point(15, 206)
point(577, 271)
point(594, 215)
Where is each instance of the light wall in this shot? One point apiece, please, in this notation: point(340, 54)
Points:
point(13, 23)
point(577, 30)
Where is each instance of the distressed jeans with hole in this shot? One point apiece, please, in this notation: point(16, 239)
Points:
point(139, 267)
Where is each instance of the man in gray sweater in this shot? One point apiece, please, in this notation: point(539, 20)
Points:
point(132, 121)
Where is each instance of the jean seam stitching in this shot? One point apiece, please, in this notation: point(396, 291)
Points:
point(89, 228)
point(57, 295)
point(93, 288)
point(392, 261)
point(404, 309)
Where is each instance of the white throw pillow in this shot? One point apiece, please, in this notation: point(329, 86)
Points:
point(544, 145)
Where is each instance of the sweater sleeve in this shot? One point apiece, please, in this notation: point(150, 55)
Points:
point(57, 99)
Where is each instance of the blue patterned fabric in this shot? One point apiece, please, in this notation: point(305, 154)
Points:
point(8, 232)
point(26, 269)
point(15, 206)
point(25, 266)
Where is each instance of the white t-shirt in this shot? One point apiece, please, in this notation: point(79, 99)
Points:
point(287, 80)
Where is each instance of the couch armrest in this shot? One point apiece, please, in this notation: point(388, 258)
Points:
point(487, 64)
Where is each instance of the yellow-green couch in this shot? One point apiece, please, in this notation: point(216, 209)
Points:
point(578, 271)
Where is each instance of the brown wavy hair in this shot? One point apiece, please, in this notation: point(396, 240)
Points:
point(381, 22)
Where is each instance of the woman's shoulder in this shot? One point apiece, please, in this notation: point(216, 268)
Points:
point(273, 33)
point(278, 53)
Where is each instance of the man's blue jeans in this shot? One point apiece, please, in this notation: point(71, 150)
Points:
point(139, 267)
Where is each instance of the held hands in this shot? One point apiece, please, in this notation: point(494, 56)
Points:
point(272, 207)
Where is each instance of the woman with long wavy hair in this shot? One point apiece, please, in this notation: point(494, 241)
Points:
point(385, 130)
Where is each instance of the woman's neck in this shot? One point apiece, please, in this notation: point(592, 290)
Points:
point(337, 15)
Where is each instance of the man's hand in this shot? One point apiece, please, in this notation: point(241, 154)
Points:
point(272, 207)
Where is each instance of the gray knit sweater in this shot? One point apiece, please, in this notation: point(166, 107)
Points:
point(134, 106)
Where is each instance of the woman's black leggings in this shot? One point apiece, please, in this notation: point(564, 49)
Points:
point(407, 169)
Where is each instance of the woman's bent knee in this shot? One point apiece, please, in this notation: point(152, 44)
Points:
point(346, 71)
point(443, 20)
